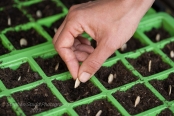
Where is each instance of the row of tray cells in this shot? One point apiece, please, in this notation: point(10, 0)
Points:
point(135, 100)
point(13, 16)
point(30, 11)
point(27, 38)
point(147, 64)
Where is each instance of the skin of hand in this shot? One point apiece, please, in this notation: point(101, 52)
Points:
point(110, 22)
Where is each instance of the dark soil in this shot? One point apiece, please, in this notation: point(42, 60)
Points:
point(55, 25)
point(3, 50)
point(5, 108)
point(10, 77)
point(141, 64)
point(166, 112)
point(47, 8)
point(124, 76)
point(147, 99)
point(36, 100)
point(32, 36)
point(48, 65)
point(163, 86)
point(91, 109)
point(168, 48)
point(16, 16)
point(69, 3)
point(94, 45)
point(132, 45)
point(152, 34)
point(65, 114)
point(71, 94)
point(5, 3)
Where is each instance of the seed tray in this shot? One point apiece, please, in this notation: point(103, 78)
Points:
point(16, 57)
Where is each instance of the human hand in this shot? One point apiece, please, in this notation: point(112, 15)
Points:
point(110, 22)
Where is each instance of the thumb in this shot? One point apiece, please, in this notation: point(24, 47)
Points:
point(94, 61)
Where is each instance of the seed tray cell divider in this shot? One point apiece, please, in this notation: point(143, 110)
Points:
point(16, 57)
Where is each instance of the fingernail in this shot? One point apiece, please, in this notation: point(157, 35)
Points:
point(84, 77)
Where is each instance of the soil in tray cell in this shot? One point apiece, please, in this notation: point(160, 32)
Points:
point(129, 99)
point(11, 16)
point(52, 66)
point(149, 63)
point(94, 45)
point(69, 3)
point(169, 50)
point(165, 87)
point(72, 94)
point(5, 3)
point(103, 106)
point(25, 38)
point(53, 28)
point(5, 108)
point(3, 50)
point(21, 76)
point(121, 75)
point(36, 100)
point(43, 9)
point(166, 112)
point(157, 34)
point(131, 45)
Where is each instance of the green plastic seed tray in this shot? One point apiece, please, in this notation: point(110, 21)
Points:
point(136, 80)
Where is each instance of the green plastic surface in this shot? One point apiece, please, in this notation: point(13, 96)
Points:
point(16, 57)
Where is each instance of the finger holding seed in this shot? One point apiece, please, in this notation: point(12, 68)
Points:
point(77, 83)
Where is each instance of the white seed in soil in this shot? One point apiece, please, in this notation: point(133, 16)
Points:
point(124, 47)
point(19, 78)
point(170, 89)
point(9, 21)
point(99, 113)
point(28, 70)
point(110, 78)
point(172, 54)
point(149, 66)
point(137, 101)
point(38, 13)
point(157, 38)
point(55, 30)
point(36, 107)
point(77, 83)
point(23, 42)
point(115, 75)
point(56, 67)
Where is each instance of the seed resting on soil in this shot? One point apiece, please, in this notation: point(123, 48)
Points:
point(137, 101)
point(157, 37)
point(99, 113)
point(149, 66)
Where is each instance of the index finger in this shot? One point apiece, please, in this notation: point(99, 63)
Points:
point(64, 43)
